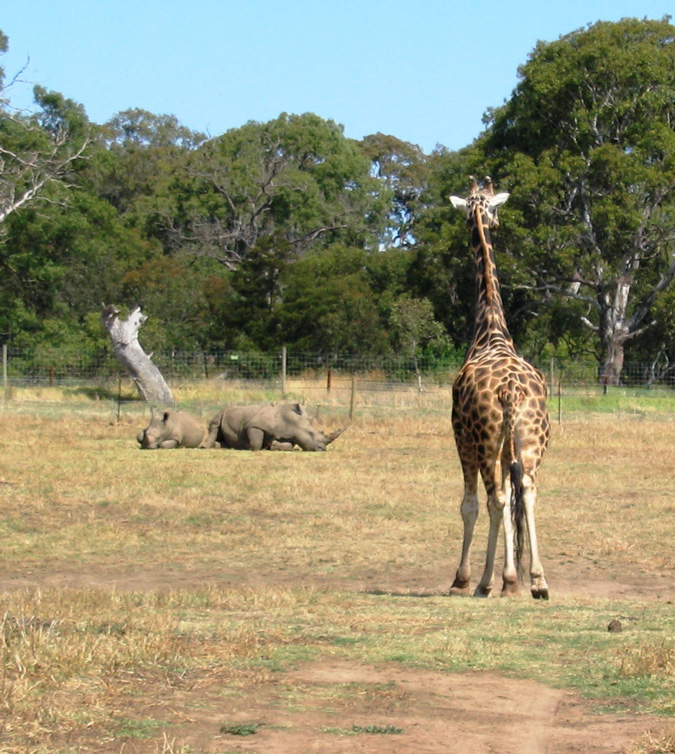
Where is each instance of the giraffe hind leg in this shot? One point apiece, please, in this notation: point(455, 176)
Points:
point(496, 504)
point(469, 511)
point(538, 584)
point(511, 574)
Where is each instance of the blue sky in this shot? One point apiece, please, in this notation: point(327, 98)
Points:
point(422, 70)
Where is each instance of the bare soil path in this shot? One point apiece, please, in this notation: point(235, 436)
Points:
point(342, 707)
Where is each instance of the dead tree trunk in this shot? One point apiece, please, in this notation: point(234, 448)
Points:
point(124, 336)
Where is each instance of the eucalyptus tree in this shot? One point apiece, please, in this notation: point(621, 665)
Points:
point(141, 154)
point(588, 143)
point(41, 153)
point(403, 168)
point(37, 149)
point(296, 177)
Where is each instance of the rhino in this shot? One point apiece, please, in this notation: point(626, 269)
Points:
point(171, 429)
point(266, 427)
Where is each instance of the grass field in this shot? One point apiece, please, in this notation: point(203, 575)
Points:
point(151, 601)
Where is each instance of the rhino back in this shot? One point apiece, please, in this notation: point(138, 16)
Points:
point(187, 430)
point(234, 424)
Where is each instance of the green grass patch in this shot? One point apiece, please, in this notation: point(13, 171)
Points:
point(240, 729)
point(377, 730)
point(137, 729)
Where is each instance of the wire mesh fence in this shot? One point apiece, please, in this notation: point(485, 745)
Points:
point(100, 367)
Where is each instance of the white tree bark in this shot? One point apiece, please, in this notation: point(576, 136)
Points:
point(124, 336)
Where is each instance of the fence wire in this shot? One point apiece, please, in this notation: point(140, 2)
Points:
point(59, 368)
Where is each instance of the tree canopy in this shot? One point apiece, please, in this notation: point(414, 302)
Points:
point(289, 233)
point(588, 143)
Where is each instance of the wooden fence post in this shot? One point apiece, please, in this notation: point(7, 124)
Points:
point(560, 398)
point(283, 373)
point(552, 377)
point(5, 384)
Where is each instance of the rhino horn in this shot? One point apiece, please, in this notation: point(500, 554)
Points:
point(334, 435)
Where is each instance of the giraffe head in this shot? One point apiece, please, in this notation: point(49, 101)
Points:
point(481, 200)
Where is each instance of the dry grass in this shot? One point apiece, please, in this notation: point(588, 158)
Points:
point(655, 743)
point(137, 584)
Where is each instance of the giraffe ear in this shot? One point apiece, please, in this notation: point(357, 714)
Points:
point(457, 202)
point(498, 199)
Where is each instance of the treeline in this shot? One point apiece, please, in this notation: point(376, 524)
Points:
point(288, 233)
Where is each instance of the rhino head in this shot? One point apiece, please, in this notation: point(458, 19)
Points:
point(156, 432)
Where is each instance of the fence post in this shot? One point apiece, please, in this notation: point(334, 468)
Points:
point(329, 380)
point(5, 386)
point(351, 397)
point(283, 373)
point(119, 398)
point(560, 398)
point(552, 377)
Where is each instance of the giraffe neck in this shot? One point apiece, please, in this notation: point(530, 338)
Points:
point(490, 330)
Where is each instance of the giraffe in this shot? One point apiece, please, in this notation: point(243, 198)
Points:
point(499, 418)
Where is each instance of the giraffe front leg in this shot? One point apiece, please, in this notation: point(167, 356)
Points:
point(469, 511)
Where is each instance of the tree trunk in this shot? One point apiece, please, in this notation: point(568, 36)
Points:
point(614, 329)
point(613, 362)
point(124, 336)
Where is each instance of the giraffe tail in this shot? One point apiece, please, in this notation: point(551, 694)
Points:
point(518, 513)
point(510, 398)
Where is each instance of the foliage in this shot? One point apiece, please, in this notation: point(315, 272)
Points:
point(296, 177)
point(403, 169)
point(329, 306)
point(289, 233)
point(589, 141)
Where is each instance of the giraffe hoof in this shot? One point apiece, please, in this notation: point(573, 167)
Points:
point(459, 587)
point(510, 589)
point(482, 591)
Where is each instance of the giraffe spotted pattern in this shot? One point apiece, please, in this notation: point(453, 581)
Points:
point(499, 419)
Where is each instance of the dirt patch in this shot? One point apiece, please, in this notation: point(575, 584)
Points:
point(336, 707)
point(342, 707)
point(578, 580)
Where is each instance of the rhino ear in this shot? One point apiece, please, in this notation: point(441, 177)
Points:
point(166, 416)
point(297, 408)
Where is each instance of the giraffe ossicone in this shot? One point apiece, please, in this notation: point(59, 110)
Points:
point(499, 418)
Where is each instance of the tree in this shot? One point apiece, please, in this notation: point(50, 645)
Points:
point(141, 153)
point(329, 305)
point(59, 261)
point(244, 305)
point(414, 328)
point(124, 336)
point(41, 153)
point(40, 149)
point(403, 168)
point(589, 140)
point(296, 177)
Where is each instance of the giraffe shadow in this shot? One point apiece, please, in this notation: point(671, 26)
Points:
point(410, 593)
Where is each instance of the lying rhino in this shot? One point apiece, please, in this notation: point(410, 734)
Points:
point(171, 429)
point(265, 427)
